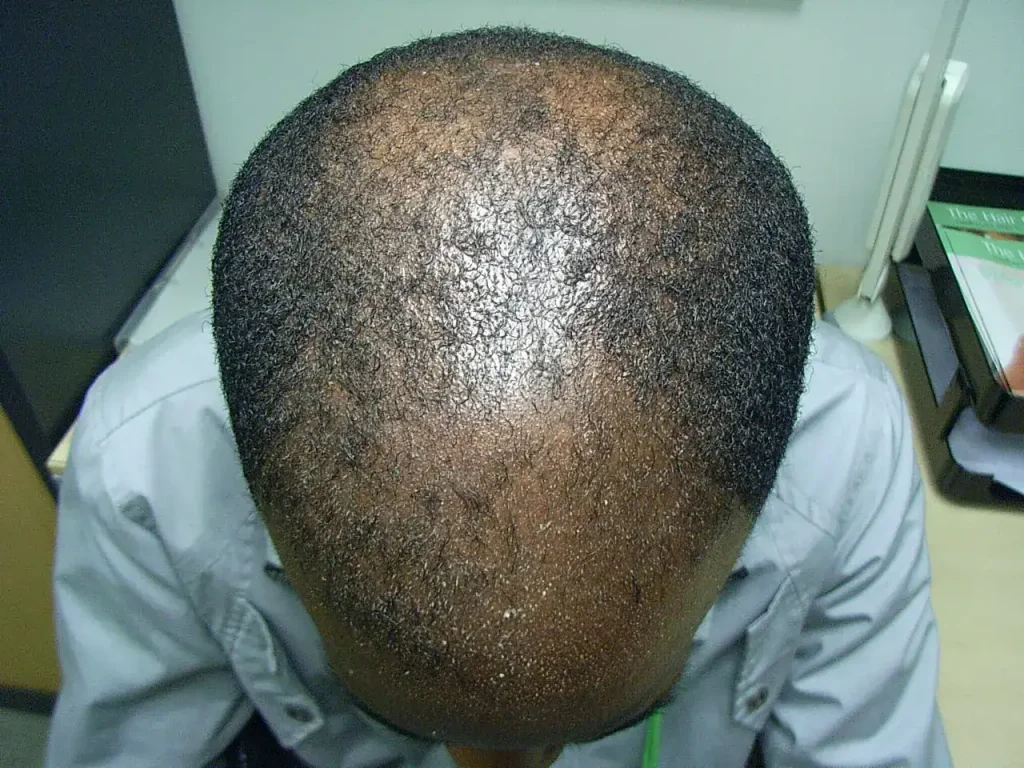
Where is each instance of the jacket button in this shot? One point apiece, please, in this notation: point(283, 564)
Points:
point(275, 573)
point(299, 713)
point(757, 699)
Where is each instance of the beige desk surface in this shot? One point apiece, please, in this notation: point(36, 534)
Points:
point(978, 591)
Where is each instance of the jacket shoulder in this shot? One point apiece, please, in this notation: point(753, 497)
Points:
point(177, 361)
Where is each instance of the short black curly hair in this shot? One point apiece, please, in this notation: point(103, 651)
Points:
point(467, 250)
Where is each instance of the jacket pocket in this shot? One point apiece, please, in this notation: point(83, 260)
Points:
point(269, 679)
point(770, 642)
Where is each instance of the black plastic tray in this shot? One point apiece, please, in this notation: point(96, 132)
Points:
point(937, 394)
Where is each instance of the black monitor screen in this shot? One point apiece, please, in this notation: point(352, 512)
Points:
point(103, 171)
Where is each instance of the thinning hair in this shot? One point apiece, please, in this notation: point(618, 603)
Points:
point(502, 313)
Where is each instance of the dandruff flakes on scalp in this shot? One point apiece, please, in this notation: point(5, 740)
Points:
point(501, 319)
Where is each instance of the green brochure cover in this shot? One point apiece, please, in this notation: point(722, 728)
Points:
point(985, 248)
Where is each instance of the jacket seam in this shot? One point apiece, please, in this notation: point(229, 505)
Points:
point(109, 433)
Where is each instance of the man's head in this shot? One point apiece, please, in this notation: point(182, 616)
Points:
point(512, 331)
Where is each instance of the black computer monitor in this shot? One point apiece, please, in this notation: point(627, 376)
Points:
point(103, 171)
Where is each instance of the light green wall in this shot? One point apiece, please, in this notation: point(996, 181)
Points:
point(822, 79)
point(988, 133)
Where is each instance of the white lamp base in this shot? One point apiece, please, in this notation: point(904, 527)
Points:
point(863, 320)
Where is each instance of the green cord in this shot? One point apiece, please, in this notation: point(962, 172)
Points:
point(652, 741)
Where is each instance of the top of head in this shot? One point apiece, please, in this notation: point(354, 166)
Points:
point(502, 313)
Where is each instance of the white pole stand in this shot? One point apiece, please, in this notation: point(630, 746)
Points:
point(866, 321)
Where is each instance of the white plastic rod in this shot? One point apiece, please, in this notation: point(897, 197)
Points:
point(931, 156)
point(925, 105)
point(896, 143)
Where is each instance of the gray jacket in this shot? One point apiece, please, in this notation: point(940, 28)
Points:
point(175, 619)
